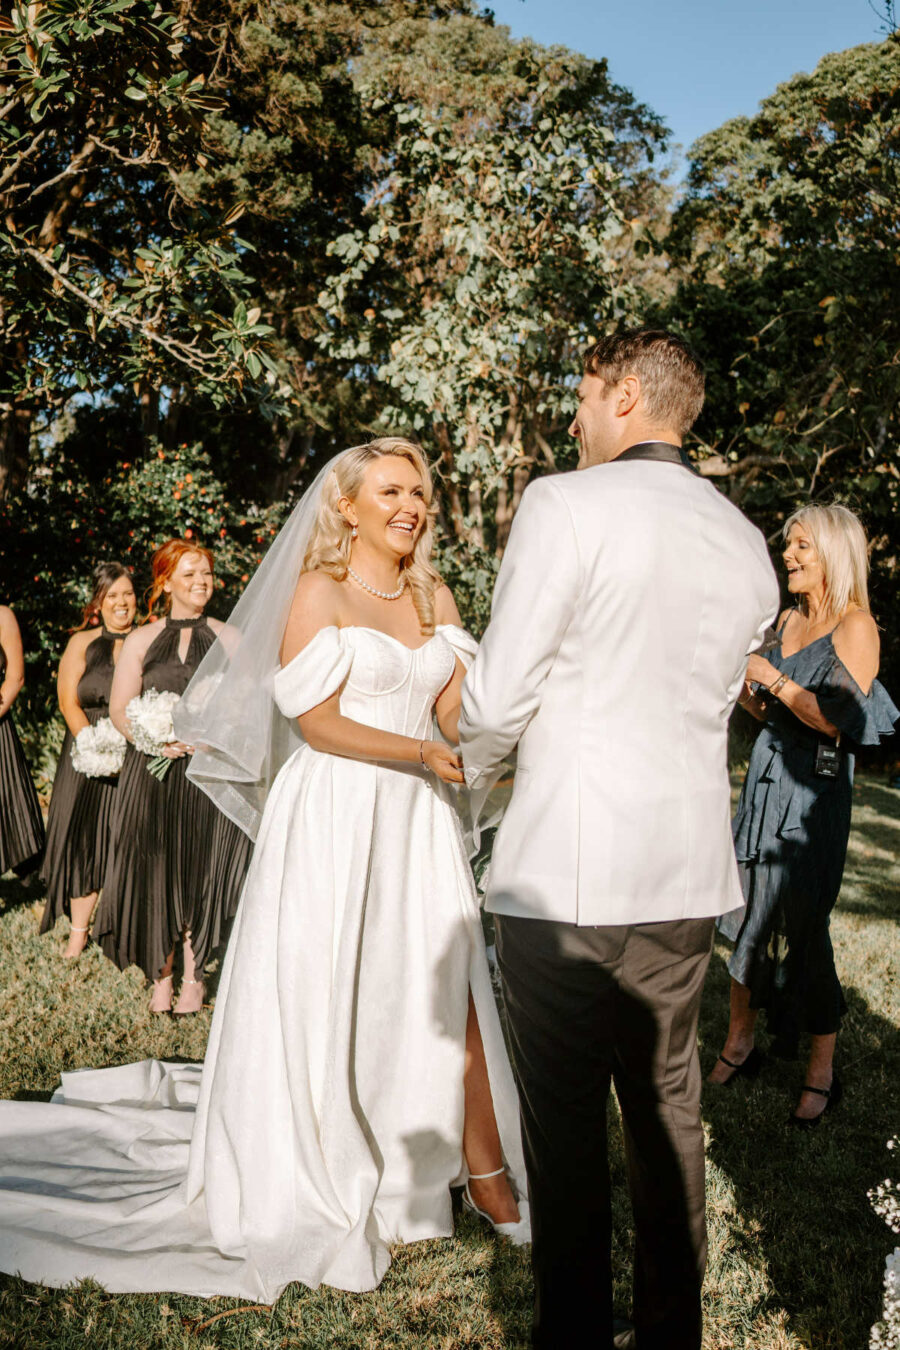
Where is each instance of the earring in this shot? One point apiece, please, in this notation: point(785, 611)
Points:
point(354, 532)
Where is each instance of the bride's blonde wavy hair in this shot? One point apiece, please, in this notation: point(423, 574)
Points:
point(329, 545)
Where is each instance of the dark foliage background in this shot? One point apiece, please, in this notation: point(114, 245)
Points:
point(240, 234)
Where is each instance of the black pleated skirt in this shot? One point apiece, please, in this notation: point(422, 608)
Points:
point(78, 826)
point(21, 822)
point(175, 864)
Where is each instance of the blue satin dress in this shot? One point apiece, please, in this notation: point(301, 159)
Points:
point(790, 833)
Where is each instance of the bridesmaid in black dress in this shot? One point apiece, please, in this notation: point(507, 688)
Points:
point(21, 822)
point(81, 808)
point(177, 864)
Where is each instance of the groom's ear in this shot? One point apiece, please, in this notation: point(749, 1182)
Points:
point(627, 395)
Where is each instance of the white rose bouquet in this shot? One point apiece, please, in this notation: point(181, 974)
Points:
point(150, 722)
point(98, 751)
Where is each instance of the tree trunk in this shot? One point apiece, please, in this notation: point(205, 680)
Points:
point(476, 515)
point(169, 432)
point(502, 515)
point(68, 198)
point(148, 400)
point(292, 458)
point(451, 489)
point(508, 502)
point(15, 438)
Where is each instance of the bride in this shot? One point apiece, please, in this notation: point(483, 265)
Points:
point(356, 1066)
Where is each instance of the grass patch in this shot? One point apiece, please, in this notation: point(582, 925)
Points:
point(796, 1253)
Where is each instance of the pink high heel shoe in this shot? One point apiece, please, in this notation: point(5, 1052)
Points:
point(73, 956)
point(190, 998)
point(161, 998)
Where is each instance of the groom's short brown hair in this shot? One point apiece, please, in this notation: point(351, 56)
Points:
point(671, 376)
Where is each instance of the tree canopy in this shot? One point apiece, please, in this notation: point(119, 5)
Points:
point(786, 252)
point(239, 234)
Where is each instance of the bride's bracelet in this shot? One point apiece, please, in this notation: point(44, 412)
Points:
point(422, 754)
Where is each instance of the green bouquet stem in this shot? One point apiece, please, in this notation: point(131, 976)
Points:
point(159, 766)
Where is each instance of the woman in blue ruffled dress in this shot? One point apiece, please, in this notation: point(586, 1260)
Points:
point(817, 694)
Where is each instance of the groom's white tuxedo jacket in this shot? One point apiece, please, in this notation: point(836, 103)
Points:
point(628, 599)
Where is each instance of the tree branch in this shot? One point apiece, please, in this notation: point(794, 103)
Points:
point(180, 351)
point(12, 169)
point(717, 466)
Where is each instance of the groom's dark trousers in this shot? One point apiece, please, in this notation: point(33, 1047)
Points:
point(587, 1007)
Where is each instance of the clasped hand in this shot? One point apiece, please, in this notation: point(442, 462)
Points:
point(176, 750)
point(443, 761)
point(761, 671)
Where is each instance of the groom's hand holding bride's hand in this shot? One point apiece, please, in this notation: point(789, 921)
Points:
point(443, 761)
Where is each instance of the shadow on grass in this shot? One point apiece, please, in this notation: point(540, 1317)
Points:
point(511, 1287)
point(800, 1213)
point(15, 892)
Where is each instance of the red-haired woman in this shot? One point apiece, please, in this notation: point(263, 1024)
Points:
point(177, 864)
point(21, 822)
point(81, 808)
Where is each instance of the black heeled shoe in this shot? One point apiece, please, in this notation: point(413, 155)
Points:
point(748, 1067)
point(833, 1095)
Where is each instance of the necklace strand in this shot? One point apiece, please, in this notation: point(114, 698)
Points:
point(382, 595)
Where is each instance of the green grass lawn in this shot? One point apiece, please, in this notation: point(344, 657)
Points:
point(796, 1253)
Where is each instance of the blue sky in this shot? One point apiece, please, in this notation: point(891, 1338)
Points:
point(696, 62)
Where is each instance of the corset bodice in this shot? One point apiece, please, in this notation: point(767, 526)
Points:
point(380, 681)
point(392, 686)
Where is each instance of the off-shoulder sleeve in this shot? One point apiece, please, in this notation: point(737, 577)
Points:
point(463, 644)
point(865, 718)
point(314, 674)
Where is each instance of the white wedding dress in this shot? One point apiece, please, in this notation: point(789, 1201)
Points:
point(326, 1122)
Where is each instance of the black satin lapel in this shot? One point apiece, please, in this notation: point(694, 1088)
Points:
point(660, 452)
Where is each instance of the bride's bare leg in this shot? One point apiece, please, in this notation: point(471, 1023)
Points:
point(481, 1138)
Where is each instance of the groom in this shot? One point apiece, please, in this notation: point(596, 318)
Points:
point(629, 596)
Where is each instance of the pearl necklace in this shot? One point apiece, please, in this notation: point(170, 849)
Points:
point(382, 595)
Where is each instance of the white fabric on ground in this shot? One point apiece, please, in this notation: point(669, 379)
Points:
point(327, 1121)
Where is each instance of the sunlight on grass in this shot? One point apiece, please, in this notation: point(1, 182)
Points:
point(796, 1254)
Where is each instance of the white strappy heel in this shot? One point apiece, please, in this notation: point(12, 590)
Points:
point(519, 1233)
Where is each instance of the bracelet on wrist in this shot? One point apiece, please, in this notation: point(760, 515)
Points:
point(777, 685)
point(422, 753)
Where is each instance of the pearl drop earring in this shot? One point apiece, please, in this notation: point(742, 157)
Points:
point(354, 533)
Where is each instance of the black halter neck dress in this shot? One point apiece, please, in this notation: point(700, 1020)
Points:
point(176, 863)
point(78, 822)
point(21, 822)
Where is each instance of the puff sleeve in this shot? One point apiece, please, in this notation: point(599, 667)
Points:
point(463, 644)
point(314, 674)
